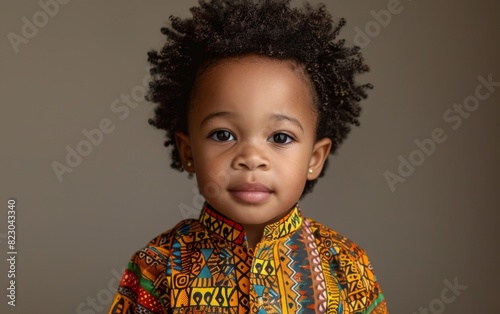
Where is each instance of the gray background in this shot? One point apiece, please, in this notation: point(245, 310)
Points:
point(74, 236)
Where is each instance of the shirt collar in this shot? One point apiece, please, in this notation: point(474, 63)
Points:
point(232, 231)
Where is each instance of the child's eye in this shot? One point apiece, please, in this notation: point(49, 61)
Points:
point(281, 138)
point(222, 136)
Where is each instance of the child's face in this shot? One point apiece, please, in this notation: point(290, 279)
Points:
point(252, 138)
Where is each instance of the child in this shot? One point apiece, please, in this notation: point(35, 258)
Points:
point(254, 96)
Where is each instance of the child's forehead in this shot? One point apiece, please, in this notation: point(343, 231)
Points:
point(253, 58)
point(251, 65)
point(249, 88)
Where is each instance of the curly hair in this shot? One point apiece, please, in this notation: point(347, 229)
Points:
point(220, 29)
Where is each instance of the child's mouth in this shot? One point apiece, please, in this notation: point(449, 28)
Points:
point(251, 193)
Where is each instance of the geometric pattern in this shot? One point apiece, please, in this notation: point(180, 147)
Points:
point(206, 266)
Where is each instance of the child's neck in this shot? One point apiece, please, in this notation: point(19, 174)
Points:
point(254, 234)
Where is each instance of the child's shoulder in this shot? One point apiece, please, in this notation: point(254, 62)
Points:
point(182, 231)
point(329, 239)
point(155, 255)
point(191, 230)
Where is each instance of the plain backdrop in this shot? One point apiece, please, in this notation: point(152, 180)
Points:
point(436, 227)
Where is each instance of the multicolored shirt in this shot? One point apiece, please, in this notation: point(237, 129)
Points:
point(206, 266)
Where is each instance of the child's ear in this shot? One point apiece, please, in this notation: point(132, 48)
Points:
point(184, 147)
point(321, 149)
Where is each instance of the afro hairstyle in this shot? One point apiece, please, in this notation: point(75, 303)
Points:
point(220, 29)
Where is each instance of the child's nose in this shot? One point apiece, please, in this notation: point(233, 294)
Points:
point(251, 157)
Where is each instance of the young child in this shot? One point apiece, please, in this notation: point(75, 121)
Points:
point(254, 96)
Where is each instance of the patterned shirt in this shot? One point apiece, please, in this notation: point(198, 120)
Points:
point(206, 266)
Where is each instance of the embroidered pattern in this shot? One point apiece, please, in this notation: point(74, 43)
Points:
point(205, 266)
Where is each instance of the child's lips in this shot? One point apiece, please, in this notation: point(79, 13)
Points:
point(251, 192)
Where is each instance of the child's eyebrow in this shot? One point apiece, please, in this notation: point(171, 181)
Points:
point(281, 117)
point(214, 115)
point(275, 117)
